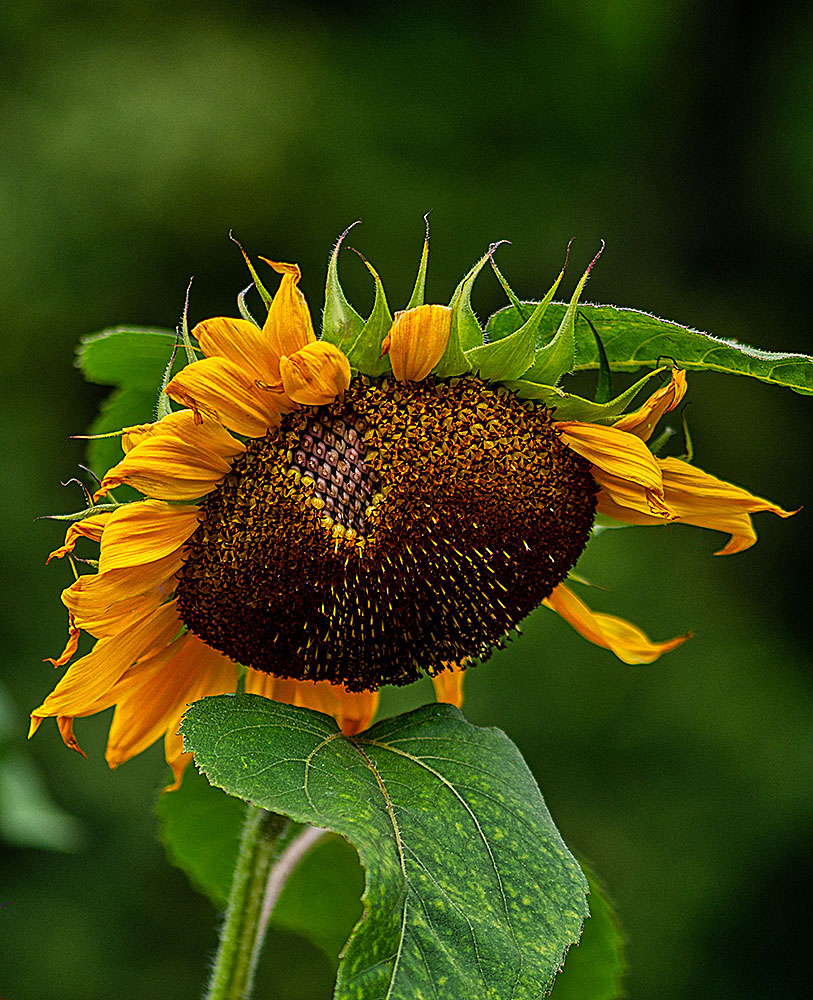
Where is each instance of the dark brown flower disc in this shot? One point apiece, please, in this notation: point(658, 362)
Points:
point(400, 528)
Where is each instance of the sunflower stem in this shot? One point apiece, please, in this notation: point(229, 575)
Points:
point(243, 931)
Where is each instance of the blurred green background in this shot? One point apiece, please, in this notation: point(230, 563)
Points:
point(135, 136)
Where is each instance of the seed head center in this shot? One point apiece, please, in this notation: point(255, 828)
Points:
point(400, 528)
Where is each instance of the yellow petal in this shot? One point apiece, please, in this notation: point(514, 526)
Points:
point(417, 341)
point(105, 604)
point(622, 465)
point(704, 501)
point(144, 532)
point(288, 327)
point(219, 388)
point(70, 646)
point(65, 726)
point(315, 375)
point(643, 421)
point(181, 459)
point(87, 681)
point(352, 710)
point(243, 344)
point(131, 436)
point(449, 685)
point(628, 643)
point(90, 527)
point(187, 671)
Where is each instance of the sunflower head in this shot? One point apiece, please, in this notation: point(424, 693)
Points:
point(338, 513)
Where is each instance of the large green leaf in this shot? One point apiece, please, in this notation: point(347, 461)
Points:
point(122, 408)
point(470, 891)
point(634, 340)
point(595, 969)
point(135, 358)
point(200, 829)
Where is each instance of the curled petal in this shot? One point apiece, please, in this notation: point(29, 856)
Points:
point(315, 375)
point(627, 641)
point(70, 646)
point(352, 710)
point(643, 421)
point(622, 464)
point(702, 500)
point(220, 388)
point(65, 726)
point(179, 459)
point(417, 341)
point(105, 604)
point(288, 327)
point(143, 532)
point(90, 527)
point(86, 682)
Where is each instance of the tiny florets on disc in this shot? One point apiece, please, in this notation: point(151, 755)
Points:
point(402, 526)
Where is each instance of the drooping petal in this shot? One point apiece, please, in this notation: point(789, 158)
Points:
point(417, 340)
point(221, 389)
point(627, 641)
point(449, 685)
point(352, 710)
point(105, 604)
point(70, 646)
point(131, 436)
point(180, 460)
point(65, 726)
point(288, 326)
point(705, 501)
point(622, 465)
point(89, 527)
point(315, 375)
point(144, 532)
point(643, 421)
point(153, 705)
point(92, 677)
point(242, 343)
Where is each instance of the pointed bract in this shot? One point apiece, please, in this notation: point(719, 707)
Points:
point(341, 324)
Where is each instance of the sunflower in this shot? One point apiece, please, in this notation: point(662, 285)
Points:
point(334, 515)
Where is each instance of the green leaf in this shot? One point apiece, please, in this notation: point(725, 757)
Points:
point(634, 340)
point(570, 407)
point(200, 828)
point(595, 968)
point(127, 356)
point(122, 408)
point(138, 361)
point(470, 891)
point(341, 324)
point(365, 354)
point(465, 333)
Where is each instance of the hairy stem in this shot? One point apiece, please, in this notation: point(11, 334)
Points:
point(244, 926)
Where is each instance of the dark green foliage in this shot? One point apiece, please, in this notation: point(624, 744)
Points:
point(469, 888)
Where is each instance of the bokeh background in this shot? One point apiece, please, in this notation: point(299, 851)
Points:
point(134, 137)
